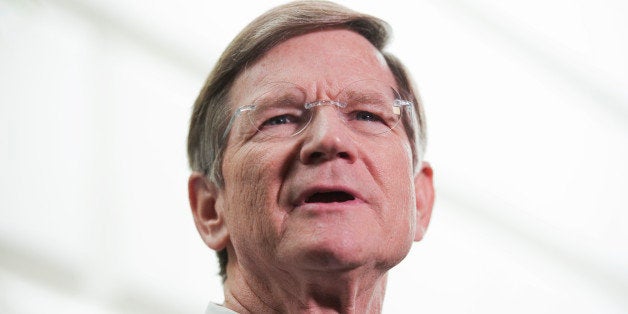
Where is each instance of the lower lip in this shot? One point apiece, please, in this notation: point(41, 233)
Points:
point(329, 207)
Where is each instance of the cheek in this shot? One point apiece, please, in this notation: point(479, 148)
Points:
point(395, 171)
point(252, 181)
point(247, 175)
point(398, 187)
point(245, 166)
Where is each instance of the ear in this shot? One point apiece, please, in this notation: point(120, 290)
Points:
point(206, 204)
point(424, 191)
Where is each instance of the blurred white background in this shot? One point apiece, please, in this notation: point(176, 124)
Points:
point(527, 105)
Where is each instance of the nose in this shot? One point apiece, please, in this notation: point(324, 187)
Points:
point(327, 138)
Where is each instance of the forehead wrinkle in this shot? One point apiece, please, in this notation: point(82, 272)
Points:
point(315, 69)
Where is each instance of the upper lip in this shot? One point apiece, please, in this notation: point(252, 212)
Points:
point(310, 191)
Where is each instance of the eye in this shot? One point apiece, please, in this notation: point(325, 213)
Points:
point(281, 119)
point(367, 113)
point(277, 115)
point(367, 116)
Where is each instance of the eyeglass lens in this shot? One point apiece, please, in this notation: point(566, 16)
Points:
point(366, 106)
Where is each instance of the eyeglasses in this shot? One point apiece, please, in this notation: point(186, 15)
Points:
point(369, 107)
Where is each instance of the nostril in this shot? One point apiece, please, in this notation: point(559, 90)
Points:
point(316, 155)
point(321, 155)
point(325, 144)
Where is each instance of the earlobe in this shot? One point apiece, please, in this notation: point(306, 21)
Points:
point(207, 210)
point(424, 191)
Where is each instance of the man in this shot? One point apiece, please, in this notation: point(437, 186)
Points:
point(306, 146)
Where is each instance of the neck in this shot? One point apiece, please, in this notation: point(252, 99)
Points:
point(350, 291)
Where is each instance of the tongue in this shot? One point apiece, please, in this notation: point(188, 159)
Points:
point(330, 197)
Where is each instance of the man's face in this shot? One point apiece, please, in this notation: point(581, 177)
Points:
point(328, 197)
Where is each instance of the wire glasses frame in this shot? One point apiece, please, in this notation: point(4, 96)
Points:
point(280, 110)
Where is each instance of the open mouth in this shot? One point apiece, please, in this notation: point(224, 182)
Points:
point(330, 197)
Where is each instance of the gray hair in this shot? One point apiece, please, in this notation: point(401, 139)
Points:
point(212, 111)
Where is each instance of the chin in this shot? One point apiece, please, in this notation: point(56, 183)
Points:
point(342, 252)
point(336, 256)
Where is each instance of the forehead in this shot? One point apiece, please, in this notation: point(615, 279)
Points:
point(322, 62)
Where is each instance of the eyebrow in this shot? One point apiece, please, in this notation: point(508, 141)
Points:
point(284, 98)
point(369, 97)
